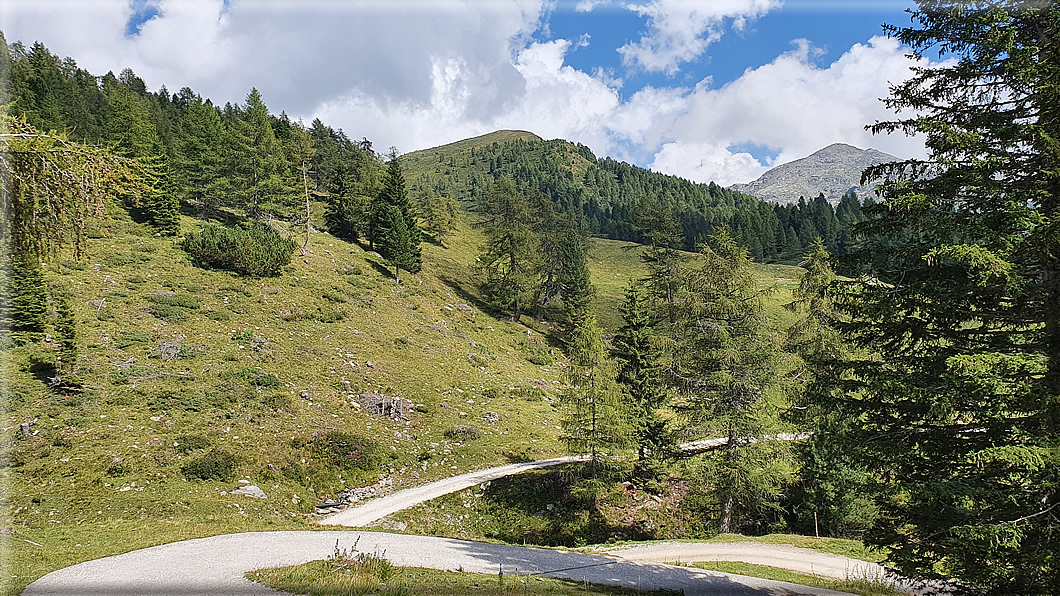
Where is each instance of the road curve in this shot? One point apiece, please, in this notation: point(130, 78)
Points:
point(215, 566)
point(380, 507)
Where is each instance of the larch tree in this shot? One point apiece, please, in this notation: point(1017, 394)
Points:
point(725, 366)
point(51, 188)
point(256, 159)
point(200, 157)
point(959, 412)
point(593, 418)
point(510, 259)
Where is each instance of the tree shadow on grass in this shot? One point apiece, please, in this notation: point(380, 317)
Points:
point(546, 507)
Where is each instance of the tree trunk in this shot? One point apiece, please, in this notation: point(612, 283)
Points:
point(308, 225)
point(725, 524)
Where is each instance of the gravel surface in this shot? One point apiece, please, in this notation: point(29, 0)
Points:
point(801, 560)
point(216, 565)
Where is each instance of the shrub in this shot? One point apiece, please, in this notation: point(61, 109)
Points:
point(182, 300)
point(462, 432)
point(216, 464)
point(258, 378)
point(257, 251)
point(189, 443)
point(128, 338)
point(348, 451)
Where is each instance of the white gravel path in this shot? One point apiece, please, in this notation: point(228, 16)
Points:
point(215, 566)
point(801, 560)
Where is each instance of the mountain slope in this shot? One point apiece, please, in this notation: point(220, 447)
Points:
point(834, 171)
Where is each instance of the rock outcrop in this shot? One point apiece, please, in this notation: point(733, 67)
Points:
point(834, 171)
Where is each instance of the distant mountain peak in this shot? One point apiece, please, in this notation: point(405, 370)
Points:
point(834, 170)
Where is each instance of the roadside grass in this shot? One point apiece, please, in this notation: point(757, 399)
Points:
point(854, 549)
point(859, 586)
point(554, 507)
point(332, 578)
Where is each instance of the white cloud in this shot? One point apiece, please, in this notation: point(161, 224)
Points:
point(589, 5)
point(790, 106)
point(681, 30)
point(708, 162)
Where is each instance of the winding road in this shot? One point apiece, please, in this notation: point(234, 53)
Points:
point(216, 565)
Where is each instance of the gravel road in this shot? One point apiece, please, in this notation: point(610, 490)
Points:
point(801, 560)
point(215, 566)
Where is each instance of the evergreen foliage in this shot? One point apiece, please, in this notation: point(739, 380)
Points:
point(834, 493)
point(200, 157)
point(390, 206)
point(575, 286)
point(348, 209)
point(959, 407)
point(608, 198)
point(66, 333)
point(438, 212)
point(257, 251)
point(255, 158)
point(29, 299)
point(640, 372)
point(510, 260)
point(396, 244)
point(593, 419)
point(725, 362)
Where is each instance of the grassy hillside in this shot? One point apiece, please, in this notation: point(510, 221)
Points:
point(177, 361)
point(256, 367)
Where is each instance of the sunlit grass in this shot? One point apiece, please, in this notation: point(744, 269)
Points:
point(859, 586)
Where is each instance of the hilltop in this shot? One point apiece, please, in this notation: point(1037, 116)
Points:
point(834, 171)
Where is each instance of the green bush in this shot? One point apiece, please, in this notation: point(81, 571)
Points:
point(462, 432)
point(216, 464)
point(257, 378)
point(257, 251)
point(347, 451)
point(189, 443)
point(182, 300)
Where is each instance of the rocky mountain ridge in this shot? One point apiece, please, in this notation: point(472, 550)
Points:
point(834, 171)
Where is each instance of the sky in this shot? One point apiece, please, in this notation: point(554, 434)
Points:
point(710, 90)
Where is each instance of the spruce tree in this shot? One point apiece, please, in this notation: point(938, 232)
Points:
point(396, 245)
point(834, 492)
point(66, 333)
point(395, 194)
point(640, 372)
point(959, 304)
point(29, 298)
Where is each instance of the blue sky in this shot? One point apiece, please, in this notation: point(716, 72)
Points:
point(706, 89)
